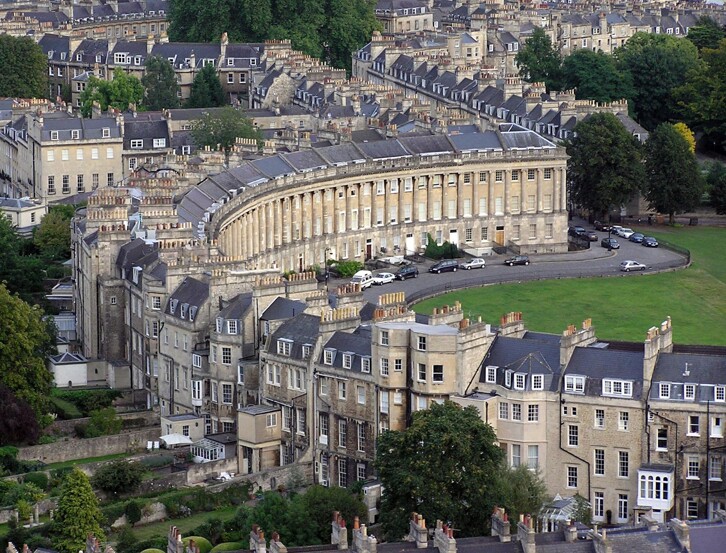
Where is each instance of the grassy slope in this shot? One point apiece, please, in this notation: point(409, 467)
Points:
point(621, 308)
point(184, 524)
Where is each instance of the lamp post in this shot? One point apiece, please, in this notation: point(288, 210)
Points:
point(327, 270)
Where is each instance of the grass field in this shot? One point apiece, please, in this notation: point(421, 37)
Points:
point(184, 524)
point(620, 308)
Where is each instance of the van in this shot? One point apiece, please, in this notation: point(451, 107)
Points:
point(364, 279)
point(444, 265)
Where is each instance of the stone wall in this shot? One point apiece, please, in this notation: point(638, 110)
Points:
point(200, 472)
point(68, 449)
point(149, 418)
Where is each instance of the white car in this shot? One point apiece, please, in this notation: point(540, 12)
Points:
point(615, 229)
point(626, 232)
point(630, 265)
point(475, 263)
point(383, 278)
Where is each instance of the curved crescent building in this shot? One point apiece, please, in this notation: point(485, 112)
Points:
point(360, 200)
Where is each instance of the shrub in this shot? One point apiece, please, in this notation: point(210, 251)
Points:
point(203, 543)
point(113, 512)
point(87, 401)
point(229, 546)
point(348, 268)
point(103, 422)
point(118, 477)
point(132, 512)
point(445, 250)
point(40, 479)
point(126, 541)
point(47, 439)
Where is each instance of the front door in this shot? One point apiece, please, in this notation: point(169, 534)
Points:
point(499, 235)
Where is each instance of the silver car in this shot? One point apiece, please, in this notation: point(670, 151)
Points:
point(475, 263)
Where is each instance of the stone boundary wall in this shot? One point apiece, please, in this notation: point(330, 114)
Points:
point(68, 426)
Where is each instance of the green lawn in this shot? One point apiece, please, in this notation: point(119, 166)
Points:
point(155, 529)
point(620, 308)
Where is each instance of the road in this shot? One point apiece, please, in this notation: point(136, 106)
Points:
point(597, 261)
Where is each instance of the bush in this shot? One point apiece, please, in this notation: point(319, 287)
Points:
point(230, 546)
point(103, 423)
point(348, 268)
point(203, 543)
point(47, 439)
point(87, 401)
point(40, 479)
point(118, 477)
point(113, 512)
point(132, 512)
point(126, 541)
point(445, 250)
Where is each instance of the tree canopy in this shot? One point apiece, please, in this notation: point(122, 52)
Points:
point(657, 64)
point(595, 76)
point(706, 33)
point(160, 85)
point(222, 127)
point(328, 29)
point(674, 183)
point(21, 273)
point(119, 93)
point(605, 168)
point(77, 515)
point(18, 422)
point(444, 466)
point(119, 477)
point(206, 91)
point(539, 61)
point(53, 235)
point(24, 68)
point(27, 339)
point(716, 182)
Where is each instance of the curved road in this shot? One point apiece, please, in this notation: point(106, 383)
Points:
point(597, 261)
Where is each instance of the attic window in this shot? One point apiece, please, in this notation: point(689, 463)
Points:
point(79, 57)
point(106, 132)
point(232, 327)
point(284, 347)
point(184, 308)
point(491, 375)
point(193, 312)
point(306, 351)
point(537, 382)
point(54, 135)
point(172, 305)
point(347, 360)
point(63, 55)
point(219, 324)
point(75, 134)
point(137, 273)
point(365, 364)
point(137, 60)
point(328, 356)
point(230, 61)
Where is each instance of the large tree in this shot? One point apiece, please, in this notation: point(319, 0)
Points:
point(657, 65)
point(222, 127)
point(206, 91)
point(119, 93)
point(25, 342)
point(594, 76)
point(160, 85)
point(21, 273)
point(540, 61)
point(77, 515)
point(674, 183)
point(53, 236)
point(605, 168)
point(707, 33)
point(716, 182)
point(444, 466)
point(23, 68)
point(18, 422)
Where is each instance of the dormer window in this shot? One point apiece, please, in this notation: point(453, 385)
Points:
point(306, 349)
point(54, 135)
point(622, 388)
point(136, 274)
point(719, 393)
point(63, 56)
point(106, 132)
point(347, 360)
point(508, 379)
point(137, 60)
point(75, 134)
point(664, 390)
point(537, 382)
point(689, 392)
point(519, 380)
point(284, 347)
point(219, 323)
point(490, 375)
point(98, 58)
point(232, 327)
point(230, 61)
point(193, 312)
point(184, 309)
point(365, 364)
point(575, 384)
point(172, 305)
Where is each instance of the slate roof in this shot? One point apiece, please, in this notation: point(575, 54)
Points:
point(283, 308)
point(63, 124)
point(530, 356)
point(359, 345)
point(302, 329)
point(702, 369)
point(237, 307)
point(145, 127)
point(131, 252)
point(188, 297)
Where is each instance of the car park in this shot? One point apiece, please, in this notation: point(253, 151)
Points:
point(650, 242)
point(591, 235)
point(599, 225)
point(610, 243)
point(444, 266)
point(636, 237)
point(517, 260)
point(630, 265)
point(625, 232)
point(409, 271)
point(383, 278)
point(475, 263)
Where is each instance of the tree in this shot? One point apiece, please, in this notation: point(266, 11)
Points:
point(706, 33)
point(24, 68)
point(160, 85)
point(222, 128)
point(206, 91)
point(102, 423)
point(309, 515)
point(523, 491)
point(18, 422)
point(77, 515)
point(26, 341)
point(444, 466)
point(119, 477)
point(605, 168)
point(674, 183)
point(687, 135)
point(595, 76)
point(349, 26)
point(22, 274)
point(539, 61)
point(716, 182)
point(657, 65)
point(133, 511)
point(119, 93)
point(53, 236)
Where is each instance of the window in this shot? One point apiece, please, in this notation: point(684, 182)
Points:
point(598, 507)
point(137, 144)
point(623, 464)
point(66, 184)
point(365, 364)
point(571, 477)
point(240, 374)
point(159, 143)
point(79, 154)
point(719, 393)
point(533, 413)
point(113, 300)
point(106, 132)
point(422, 343)
point(324, 386)
point(516, 455)
point(94, 180)
point(306, 349)
point(519, 380)
point(109, 179)
point(301, 421)
point(347, 360)
point(286, 417)
point(232, 327)
point(384, 402)
point(623, 421)
point(575, 384)
point(51, 184)
point(600, 418)
point(185, 430)
point(692, 467)
point(437, 374)
point(537, 382)
point(714, 468)
point(273, 375)
point(361, 395)
point(422, 372)
point(716, 427)
point(665, 390)
point(342, 390)
point(384, 366)
point(51, 155)
point(196, 360)
point(156, 303)
point(54, 135)
point(215, 397)
point(691, 508)
point(491, 375)
point(109, 153)
point(654, 487)
point(94, 153)
point(227, 394)
point(533, 456)
point(342, 433)
point(693, 425)
point(617, 388)
point(508, 378)
point(516, 412)
point(504, 410)
point(661, 440)
point(384, 337)
point(573, 438)
point(531, 202)
point(230, 76)
point(360, 472)
point(361, 436)
point(343, 473)
point(283, 347)
point(226, 356)
point(599, 466)
point(80, 186)
point(328, 356)
point(622, 507)
point(689, 391)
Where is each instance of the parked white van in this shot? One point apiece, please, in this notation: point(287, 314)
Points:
point(363, 278)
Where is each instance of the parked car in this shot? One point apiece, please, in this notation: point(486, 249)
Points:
point(517, 260)
point(636, 237)
point(610, 243)
point(576, 231)
point(364, 279)
point(409, 271)
point(650, 242)
point(625, 232)
point(591, 235)
point(615, 229)
point(599, 225)
point(444, 266)
point(631, 265)
point(383, 278)
point(475, 263)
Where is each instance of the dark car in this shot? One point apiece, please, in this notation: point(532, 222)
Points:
point(517, 260)
point(576, 231)
point(444, 266)
point(637, 238)
point(599, 225)
point(409, 271)
point(610, 243)
point(650, 242)
point(591, 235)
